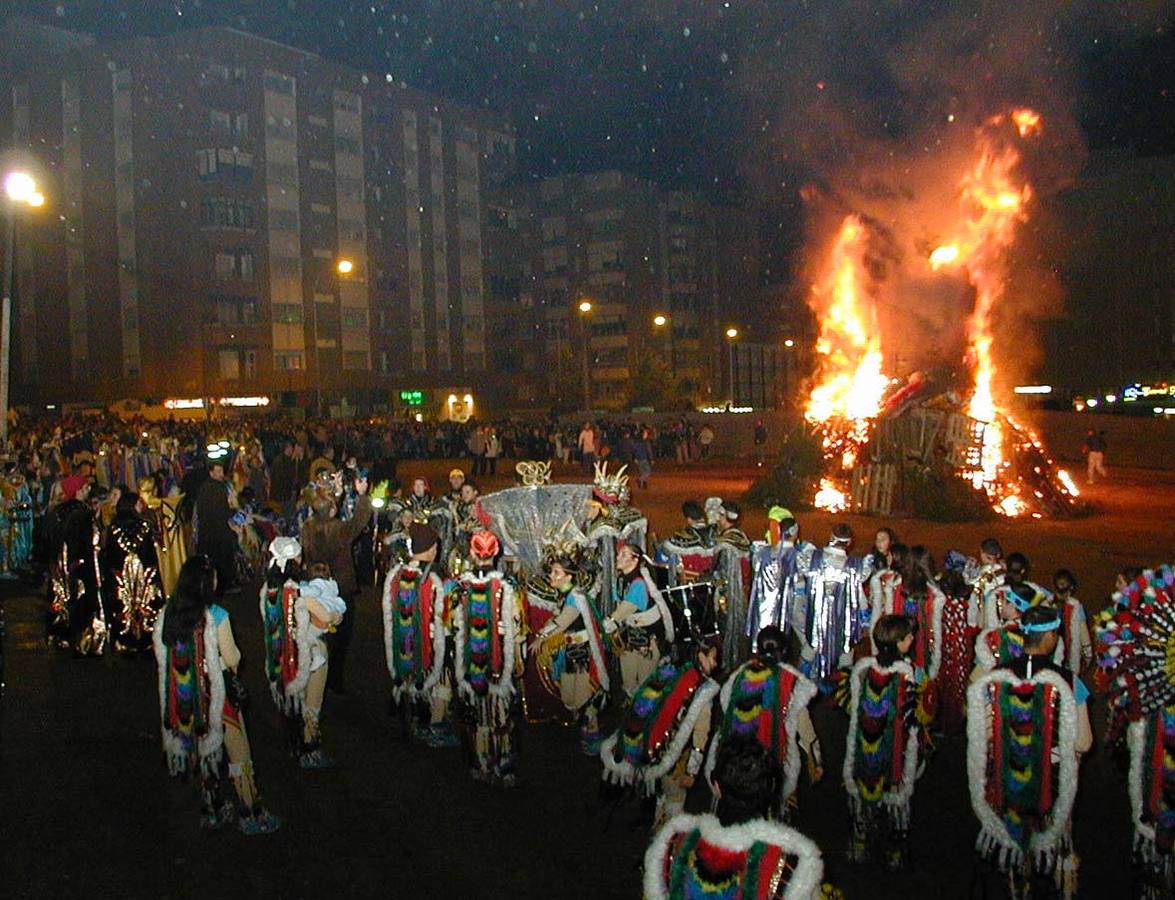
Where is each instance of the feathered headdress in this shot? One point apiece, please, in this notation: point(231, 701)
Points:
point(610, 489)
point(1136, 646)
point(567, 554)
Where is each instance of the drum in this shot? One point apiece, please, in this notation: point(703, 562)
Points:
point(693, 610)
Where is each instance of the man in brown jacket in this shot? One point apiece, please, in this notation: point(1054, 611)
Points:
point(325, 539)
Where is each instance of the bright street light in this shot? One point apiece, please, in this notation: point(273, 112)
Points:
point(732, 333)
point(36, 199)
point(789, 343)
point(344, 267)
point(585, 306)
point(659, 320)
point(21, 187)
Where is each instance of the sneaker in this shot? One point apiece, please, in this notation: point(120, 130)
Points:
point(262, 822)
point(316, 759)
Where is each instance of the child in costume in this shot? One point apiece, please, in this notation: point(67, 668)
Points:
point(487, 624)
point(662, 740)
point(738, 851)
point(767, 699)
point(1141, 698)
point(1005, 642)
point(1075, 649)
point(1027, 725)
point(287, 659)
point(881, 751)
point(570, 646)
point(836, 612)
point(319, 610)
point(414, 637)
point(200, 700)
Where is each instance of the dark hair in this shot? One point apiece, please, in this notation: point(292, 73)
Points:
point(900, 554)
point(918, 571)
point(318, 570)
point(786, 524)
point(887, 634)
point(127, 501)
point(1018, 561)
point(991, 547)
point(193, 593)
point(1038, 615)
point(748, 778)
point(691, 509)
point(470, 484)
point(1065, 574)
point(889, 532)
point(842, 533)
point(769, 644)
point(1130, 573)
point(731, 507)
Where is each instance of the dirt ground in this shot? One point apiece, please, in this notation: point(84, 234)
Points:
point(86, 807)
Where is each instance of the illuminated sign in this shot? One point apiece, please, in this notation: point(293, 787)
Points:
point(243, 401)
point(412, 398)
point(196, 403)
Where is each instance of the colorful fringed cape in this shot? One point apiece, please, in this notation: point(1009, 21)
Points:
point(414, 633)
point(191, 698)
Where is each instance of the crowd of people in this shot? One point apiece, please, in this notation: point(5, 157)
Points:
point(712, 642)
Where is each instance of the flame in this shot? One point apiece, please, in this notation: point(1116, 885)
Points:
point(994, 198)
point(1067, 480)
point(849, 395)
point(830, 498)
point(944, 256)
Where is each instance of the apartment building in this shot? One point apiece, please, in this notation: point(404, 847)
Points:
point(228, 216)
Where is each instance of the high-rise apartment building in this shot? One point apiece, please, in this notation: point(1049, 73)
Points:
point(230, 216)
point(662, 274)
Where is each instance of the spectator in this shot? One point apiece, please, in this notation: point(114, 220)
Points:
point(587, 446)
point(1095, 454)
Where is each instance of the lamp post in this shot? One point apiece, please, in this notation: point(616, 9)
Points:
point(19, 188)
point(341, 268)
point(731, 337)
point(585, 308)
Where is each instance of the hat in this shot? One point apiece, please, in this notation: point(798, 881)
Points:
point(453, 473)
point(731, 510)
point(283, 549)
point(779, 513)
point(484, 544)
point(421, 538)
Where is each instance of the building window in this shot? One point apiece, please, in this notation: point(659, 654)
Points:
point(230, 365)
point(249, 363)
point(554, 228)
point(287, 313)
point(354, 317)
point(345, 144)
point(220, 122)
point(245, 264)
point(384, 363)
point(224, 266)
point(279, 84)
point(287, 360)
point(226, 212)
point(355, 359)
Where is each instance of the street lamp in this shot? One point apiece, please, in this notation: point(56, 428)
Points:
point(341, 268)
point(789, 343)
point(585, 307)
point(659, 320)
point(731, 337)
point(19, 188)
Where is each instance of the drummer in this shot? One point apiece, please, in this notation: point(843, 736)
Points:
point(641, 624)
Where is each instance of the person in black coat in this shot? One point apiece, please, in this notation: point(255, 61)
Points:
point(214, 535)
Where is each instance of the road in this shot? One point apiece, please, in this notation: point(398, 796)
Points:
point(86, 807)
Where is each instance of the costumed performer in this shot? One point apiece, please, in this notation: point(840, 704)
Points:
point(1141, 695)
point(1027, 726)
point(200, 701)
point(641, 624)
point(738, 851)
point(414, 638)
point(662, 739)
point(881, 750)
point(570, 647)
point(487, 625)
point(766, 699)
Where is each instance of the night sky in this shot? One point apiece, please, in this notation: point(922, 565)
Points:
point(736, 98)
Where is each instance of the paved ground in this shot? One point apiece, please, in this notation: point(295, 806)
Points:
point(86, 807)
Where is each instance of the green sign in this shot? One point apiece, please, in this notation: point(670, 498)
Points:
point(412, 398)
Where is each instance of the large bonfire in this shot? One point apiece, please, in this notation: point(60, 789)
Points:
point(872, 425)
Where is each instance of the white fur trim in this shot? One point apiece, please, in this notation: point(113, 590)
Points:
point(625, 773)
point(386, 607)
point(504, 687)
point(659, 601)
point(881, 591)
point(1136, 741)
point(938, 600)
point(898, 801)
point(296, 689)
point(984, 657)
point(1049, 847)
point(671, 549)
point(802, 693)
point(805, 879)
point(210, 747)
point(583, 605)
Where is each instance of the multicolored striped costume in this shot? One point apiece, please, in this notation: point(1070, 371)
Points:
point(486, 619)
point(1135, 647)
point(695, 856)
point(881, 754)
point(191, 699)
point(414, 631)
point(285, 626)
point(1022, 771)
point(765, 701)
